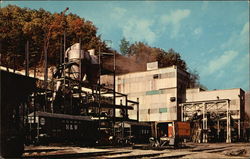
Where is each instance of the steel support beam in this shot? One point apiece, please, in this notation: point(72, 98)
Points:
point(239, 134)
point(204, 123)
point(228, 125)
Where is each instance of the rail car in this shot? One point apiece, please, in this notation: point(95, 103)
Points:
point(63, 128)
point(133, 132)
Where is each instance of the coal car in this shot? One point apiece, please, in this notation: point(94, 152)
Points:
point(63, 128)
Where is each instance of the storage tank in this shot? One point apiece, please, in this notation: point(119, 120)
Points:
point(89, 63)
point(73, 53)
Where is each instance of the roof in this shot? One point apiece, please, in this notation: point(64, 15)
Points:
point(135, 123)
point(61, 116)
point(107, 105)
point(206, 101)
point(15, 87)
point(219, 90)
point(136, 72)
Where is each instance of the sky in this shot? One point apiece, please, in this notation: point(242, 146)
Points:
point(211, 36)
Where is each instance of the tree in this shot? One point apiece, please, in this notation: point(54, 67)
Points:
point(43, 30)
point(194, 80)
point(143, 53)
point(124, 47)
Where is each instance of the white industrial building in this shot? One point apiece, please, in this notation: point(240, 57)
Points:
point(163, 95)
point(235, 96)
point(224, 107)
point(159, 92)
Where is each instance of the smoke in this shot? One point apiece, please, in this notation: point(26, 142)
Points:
point(123, 64)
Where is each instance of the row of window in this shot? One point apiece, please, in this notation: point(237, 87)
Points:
point(146, 78)
point(154, 111)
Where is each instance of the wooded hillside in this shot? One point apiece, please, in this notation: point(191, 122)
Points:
point(45, 31)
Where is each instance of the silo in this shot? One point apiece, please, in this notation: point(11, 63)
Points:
point(75, 55)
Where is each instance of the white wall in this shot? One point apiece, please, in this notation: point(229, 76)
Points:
point(234, 95)
point(153, 92)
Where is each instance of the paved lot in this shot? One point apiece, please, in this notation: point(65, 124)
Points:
point(191, 150)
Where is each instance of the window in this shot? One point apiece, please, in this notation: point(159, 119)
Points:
point(156, 76)
point(172, 99)
point(163, 110)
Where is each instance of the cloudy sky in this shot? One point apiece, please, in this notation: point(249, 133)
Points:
point(212, 37)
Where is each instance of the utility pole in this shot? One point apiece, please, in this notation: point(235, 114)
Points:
point(62, 38)
point(64, 42)
point(114, 94)
point(45, 76)
point(64, 49)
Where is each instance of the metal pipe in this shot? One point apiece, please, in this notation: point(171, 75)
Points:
point(182, 112)
point(228, 124)
point(64, 78)
point(61, 52)
point(204, 123)
point(114, 94)
point(218, 122)
point(23, 105)
point(80, 74)
point(99, 92)
point(239, 137)
point(45, 75)
point(80, 62)
point(126, 109)
point(35, 95)
point(138, 113)
point(27, 59)
point(52, 106)
point(38, 125)
point(64, 49)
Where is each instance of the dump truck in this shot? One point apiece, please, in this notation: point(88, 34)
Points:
point(170, 133)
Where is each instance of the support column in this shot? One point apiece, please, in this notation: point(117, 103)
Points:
point(218, 122)
point(239, 137)
point(114, 94)
point(182, 113)
point(126, 109)
point(26, 59)
point(138, 111)
point(228, 125)
point(204, 124)
point(218, 129)
point(156, 135)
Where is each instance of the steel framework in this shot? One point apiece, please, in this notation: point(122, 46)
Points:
point(219, 108)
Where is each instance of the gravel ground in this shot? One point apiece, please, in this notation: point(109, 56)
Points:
point(203, 150)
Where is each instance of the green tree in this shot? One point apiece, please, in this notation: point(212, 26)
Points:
point(124, 47)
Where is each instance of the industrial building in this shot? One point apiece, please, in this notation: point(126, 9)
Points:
point(217, 115)
point(159, 92)
point(236, 97)
point(221, 113)
point(60, 109)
